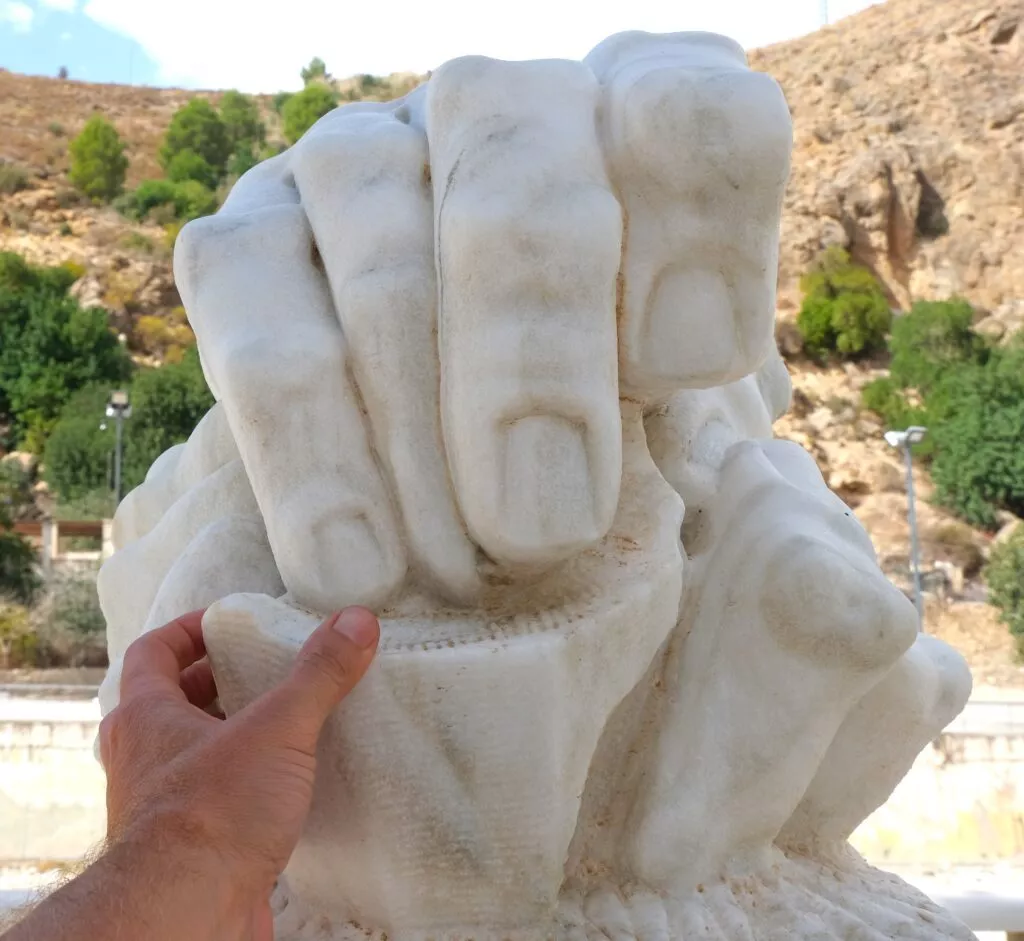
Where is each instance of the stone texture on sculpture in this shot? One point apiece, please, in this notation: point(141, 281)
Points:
point(496, 360)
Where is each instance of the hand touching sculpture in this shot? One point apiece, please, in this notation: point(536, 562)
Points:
point(448, 337)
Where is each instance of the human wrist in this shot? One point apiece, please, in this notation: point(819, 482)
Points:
point(180, 882)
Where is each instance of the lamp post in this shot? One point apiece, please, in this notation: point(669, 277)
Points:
point(905, 440)
point(118, 408)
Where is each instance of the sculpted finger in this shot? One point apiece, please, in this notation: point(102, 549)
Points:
point(879, 741)
point(364, 183)
point(129, 581)
point(528, 238)
point(698, 148)
point(275, 351)
point(177, 470)
point(226, 556)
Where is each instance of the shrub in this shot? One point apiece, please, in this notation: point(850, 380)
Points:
point(50, 347)
point(931, 338)
point(305, 108)
point(188, 165)
point(77, 459)
point(976, 421)
point(136, 242)
point(56, 128)
point(281, 99)
point(242, 160)
point(1005, 576)
point(167, 404)
point(69, 623)
point(12, 178)
point(957, 543)
point(166, 337)
point(18, 579)
point(98, 163)
point(316, 71)
point(157, 199)
point(886, 399)
point(844, 309)
point(197, 127)
point(241, 117)
point(18, 643)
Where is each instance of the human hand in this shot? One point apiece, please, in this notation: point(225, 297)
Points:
point(225, 799)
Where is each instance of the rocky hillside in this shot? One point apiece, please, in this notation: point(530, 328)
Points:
point(909, 127)
point(909, 150)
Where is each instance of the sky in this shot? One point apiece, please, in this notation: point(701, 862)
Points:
point(260, 47)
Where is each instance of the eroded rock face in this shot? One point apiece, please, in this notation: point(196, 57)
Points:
point(909, 135)
point(497, 360)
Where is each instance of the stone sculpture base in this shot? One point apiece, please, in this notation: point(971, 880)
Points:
point(781, 895)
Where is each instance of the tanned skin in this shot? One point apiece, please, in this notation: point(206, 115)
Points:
point(202, 812)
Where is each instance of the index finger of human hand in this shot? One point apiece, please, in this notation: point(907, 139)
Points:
point(156, 660)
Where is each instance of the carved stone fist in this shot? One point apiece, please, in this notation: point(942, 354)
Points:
point(462, 345)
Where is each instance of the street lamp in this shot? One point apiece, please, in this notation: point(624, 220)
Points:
point(119, 409)
point(905, 440)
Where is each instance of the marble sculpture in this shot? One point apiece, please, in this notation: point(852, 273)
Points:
point(497, 360)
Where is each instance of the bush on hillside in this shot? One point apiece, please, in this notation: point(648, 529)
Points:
point(167, 404)
point(50, 347)
point(181, 201)
point(844, 309)
point(932, 338)
point(975, 416)
point(69, 623)
point(197, 127)
point(242, 122)
point(187, 165)
point(1005, 576)
point(305, 108)
point(98, 163)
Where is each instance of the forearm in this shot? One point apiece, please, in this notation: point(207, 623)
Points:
point(136, 892)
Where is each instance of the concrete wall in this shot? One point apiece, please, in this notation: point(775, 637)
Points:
point(963, 801)
point(52, 802)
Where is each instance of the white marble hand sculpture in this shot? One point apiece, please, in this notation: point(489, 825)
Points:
point(474, 351)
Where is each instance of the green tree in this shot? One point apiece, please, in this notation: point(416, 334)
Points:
point(844, 309)
point(50, 347)
point(241, 117)
point(98, 163)
point(305, 108)
point(1005, 576)
point(185, 200)
point(316, 71)
point(197, 127)
point(167, 404)
point(18, 578)
point(187, 165)
point(975, 416)
point(932, 338)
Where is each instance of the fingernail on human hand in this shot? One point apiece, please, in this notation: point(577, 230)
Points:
point(357, 625)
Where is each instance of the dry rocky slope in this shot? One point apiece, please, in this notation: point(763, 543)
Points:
point(909, 150)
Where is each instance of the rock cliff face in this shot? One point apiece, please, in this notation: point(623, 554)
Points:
point(909, 127)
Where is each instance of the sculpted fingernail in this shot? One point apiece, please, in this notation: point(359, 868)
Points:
point(358, 625)
point(547, 493)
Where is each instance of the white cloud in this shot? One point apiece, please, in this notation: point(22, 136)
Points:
point(66, 6)
point(261, 47)
point(17, 15)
